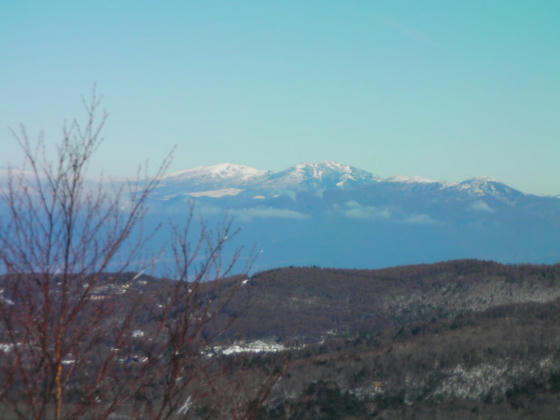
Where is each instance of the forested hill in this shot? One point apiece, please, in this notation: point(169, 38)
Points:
point(457, 339)
point(461, 339)
point(306, 303)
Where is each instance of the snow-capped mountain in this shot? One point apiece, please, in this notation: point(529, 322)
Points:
point(327, 213)
point(228, 179)
point(326, 174)
point(222, 173)
point(318, 175)
point(308, 175)
point(331, 214)
point(213, 181)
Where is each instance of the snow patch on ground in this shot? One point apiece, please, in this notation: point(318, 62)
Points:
point(257, 346)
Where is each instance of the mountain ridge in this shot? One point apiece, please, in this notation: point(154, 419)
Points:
point(331, 214)
point(227, 174)
point(328, 213)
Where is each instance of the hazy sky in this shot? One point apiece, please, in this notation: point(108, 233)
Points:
point(441, 89)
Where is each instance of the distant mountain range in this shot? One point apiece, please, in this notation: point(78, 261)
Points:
point(227, 179)
point(330, 214)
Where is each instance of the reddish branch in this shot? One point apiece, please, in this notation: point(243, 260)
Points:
point(69, 335)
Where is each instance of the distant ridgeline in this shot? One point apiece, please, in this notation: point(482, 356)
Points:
point(335, 215)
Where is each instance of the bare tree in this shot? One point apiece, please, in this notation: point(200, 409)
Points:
point(185, 323)
point(61, 234)
point(79, 338)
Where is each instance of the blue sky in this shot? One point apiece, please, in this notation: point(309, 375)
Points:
point(440, 89)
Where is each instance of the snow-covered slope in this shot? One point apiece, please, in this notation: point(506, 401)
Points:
point(326, 174)
point(227, 179)
point(223, 179)
point(489, 187)
point(220, 175)
point(216, 173)
point(317, 175)
point(232, 179)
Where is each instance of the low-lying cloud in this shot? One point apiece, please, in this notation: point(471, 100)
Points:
point(482, 206)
